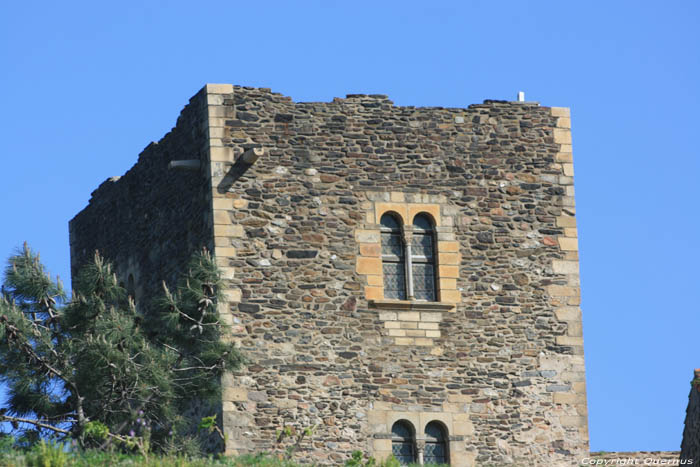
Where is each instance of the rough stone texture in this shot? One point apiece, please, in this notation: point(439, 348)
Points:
point(498, 362)
point(690, 446)
point(149, 221)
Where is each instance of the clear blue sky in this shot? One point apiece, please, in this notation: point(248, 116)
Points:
point(87, 85)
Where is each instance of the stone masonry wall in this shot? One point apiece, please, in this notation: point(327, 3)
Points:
point(149, 221)
point(690, 446)
point(498, 361)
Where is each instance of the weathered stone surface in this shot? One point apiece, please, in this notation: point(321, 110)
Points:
point(491, 366)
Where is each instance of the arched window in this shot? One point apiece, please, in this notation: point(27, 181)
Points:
point(393, 258)
point(403, 442)
point(435, 444)
point(423, 259)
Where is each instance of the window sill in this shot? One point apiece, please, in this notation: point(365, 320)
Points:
point(410, 305)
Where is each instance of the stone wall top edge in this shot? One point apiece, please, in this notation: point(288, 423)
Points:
point(212, 88)
point(113, 183)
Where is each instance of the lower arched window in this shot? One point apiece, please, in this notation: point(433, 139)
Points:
point(403, 442)
point(435, 444)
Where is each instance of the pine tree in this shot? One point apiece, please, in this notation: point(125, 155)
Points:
point(88, 368)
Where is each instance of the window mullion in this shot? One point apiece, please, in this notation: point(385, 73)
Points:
point(409, 263)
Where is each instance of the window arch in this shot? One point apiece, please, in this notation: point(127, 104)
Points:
point(393, 258)
point(403, 445)
point(423, 258)
point(435, 444)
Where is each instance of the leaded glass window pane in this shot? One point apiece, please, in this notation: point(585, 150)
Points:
point(421, 222)
point(392, 245)
point(394, 280)
point(424, 281)
point(435, 445)
point(389, 222)
point(422, 245)
point(423, 259)
point(393, 258)
point(402, 443)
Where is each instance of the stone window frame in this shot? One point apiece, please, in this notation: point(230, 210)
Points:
point(411, 439)
point(447, 260)
point(407, 256)
point(417, 422)
point(410, 322)
point(444, 439)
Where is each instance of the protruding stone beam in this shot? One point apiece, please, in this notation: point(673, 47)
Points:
point(188, 164)
point(251, 155)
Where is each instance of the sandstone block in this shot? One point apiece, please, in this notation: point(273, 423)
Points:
point(562, 136)
point(233, 295)
point(397, 196)
point(212, 88)
point(569, 340)
point(221, 154)
point(221, 217)
point(566, 243)
point(227, 251)
point(408, 316)
point(561, 112)
point(562, 291)
point(387, 316)
point(222, 203)
point(448, 271)
point(375, 280)
point(448, 247)
point(568, 169)
point(367, 236)
point(568, 313)
point(369, 265)
point(449, 258)
point(374, 293)
point(404, 341)
point(573, 421)
point(235, 394)
point(370, 249)
point(430, 317)
point(450, 296)
point(564, 157)
point(574, 329)
point(228, 230)
point(563, 122)
point(565, 267)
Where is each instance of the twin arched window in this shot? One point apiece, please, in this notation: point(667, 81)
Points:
point(403, 443)
point(408, 258)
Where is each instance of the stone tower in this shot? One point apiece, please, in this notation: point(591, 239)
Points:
point(402, 279)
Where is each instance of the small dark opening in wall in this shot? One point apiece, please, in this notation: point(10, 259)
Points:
point(130, 287)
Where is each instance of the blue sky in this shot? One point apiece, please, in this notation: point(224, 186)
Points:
point(87, 85)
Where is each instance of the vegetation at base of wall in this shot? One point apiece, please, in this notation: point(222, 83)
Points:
point(47, 454)
point(99, 371)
